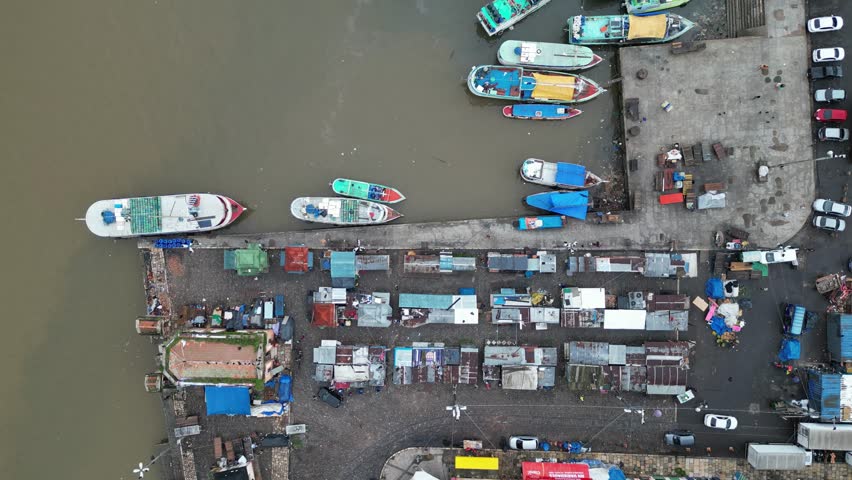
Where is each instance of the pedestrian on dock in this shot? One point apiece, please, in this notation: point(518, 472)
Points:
point(763, 67)
point(779, 85)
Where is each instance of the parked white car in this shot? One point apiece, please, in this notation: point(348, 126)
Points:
point(835, 54)
point(722, 422)
point(830, 95)
point(825, 24)
point(523, 443)
point(832, 224)
point(823, 205)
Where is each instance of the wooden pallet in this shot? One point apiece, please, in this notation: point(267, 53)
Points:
point(740, 266)
point(718, 187)
point(688, 157)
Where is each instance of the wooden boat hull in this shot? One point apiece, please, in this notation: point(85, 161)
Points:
point(499, 15)
point(569, 204)
point(547, 56)
point(162, 215)
point(342, 211)
point(616, 29)
point(536, 86)
point(366, 191)
point(644, 7)
point(541, 222)
point(567, 176)
point(539, 112)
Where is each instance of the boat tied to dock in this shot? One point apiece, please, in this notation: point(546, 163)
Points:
point(366, 191)
point(626, 29)
point(547, 56)
point(536, 111)
point(342, 211)
point(563, 175)
point(162, 215)
point(500, 15)
point(519, 84)
point(569, 204)
point(645, 7)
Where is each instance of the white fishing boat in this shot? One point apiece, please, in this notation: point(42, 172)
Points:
point(342, 211)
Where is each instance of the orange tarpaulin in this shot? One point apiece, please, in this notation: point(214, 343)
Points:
point(653, 26)
point(554, 87)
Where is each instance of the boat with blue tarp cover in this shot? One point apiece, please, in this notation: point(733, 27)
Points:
point(516, 83)
point(645, 7)
point(541, 222)
point(570, 204)
point(562, 175)
point(163, 215)
point(366, 191)
point(342, 211)
point(499, 15)
point(547, 56)
point(626, 29)
point(536, 111)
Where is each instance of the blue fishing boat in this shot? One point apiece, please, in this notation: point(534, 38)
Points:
point(570, 204)
point(524, 85)
point(535, 111)
point(563, 175)
point(541, 222)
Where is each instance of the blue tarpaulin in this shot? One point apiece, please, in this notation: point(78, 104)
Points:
point(717, 324)
point(227, 400)
point(570, 174)
point(285, 393)
point(791, 349)
point(714, 288)
point(570, 204)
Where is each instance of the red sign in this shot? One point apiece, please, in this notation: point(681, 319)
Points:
point(555, 471)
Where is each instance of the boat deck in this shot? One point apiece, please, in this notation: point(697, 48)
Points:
point(604, 28)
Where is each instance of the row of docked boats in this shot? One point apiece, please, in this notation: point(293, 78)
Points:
point(501, 15)
point(360, 203)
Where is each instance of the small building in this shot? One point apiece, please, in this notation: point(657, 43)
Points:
point(839, 335)
point(337, 306)
point(214, 357)
point(347, 366)
point(667, 365)
point(420, 309)
point(297, 260)
point(346, 266)
point(149, 325)
point(574, 298)
point(605, 264)
point(424, 362)
point(510, 306)
point(445, 262)
point(671, 265)
point(541, 262)
point(653, 265)
point(624, 319)
point(520, 367)
point(248, 261)
point(830, 394)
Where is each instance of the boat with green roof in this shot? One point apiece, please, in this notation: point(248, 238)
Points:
point(366, 191)
point(500, 15)
point(548, 56)
point(644, 7)
point(163, 215)
point(342, 211)
point(626, 29)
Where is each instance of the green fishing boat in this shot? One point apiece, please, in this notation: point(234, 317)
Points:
point(366, 191)
point(641, 7)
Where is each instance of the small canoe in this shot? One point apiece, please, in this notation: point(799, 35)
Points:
point(499, 15)
point(547, 56)
point(645, 7)
point(539, 86)
point(569, 204)
point(162, 215)
point(535, 111)
point(342, 211)
point(626, 29)
point(541, 222)
point(568, 176)
point(366, 191)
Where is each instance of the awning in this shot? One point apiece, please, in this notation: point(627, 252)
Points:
point(652, 26)
point(570, 174)
point(227, 400)
point(554, 87)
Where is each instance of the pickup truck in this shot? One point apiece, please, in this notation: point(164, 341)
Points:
point(829, 71)
point(768, 257)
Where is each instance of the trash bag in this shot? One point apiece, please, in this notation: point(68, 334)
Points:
point(714, 289)
point(745, 303)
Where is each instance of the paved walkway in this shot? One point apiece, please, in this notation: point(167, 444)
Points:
point(439, 462)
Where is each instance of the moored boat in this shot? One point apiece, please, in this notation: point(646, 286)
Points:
point(640, 7)
point(366, 191)
point(535, 111)
point(626, 29)
point(547, 56)
point(570, 204)
point(560, 174)
point(162, 215)
point(342, 211)
point(499, 15)
point(519, 84)
point(541, 222)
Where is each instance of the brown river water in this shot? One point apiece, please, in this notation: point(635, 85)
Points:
point(259, 100)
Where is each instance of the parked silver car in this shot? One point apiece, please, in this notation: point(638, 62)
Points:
point(833, 134)
point(832, 224)
point(823, 205)
point(830, 95)
point(680, 438)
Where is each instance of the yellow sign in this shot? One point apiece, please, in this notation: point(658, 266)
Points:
point(477, 463)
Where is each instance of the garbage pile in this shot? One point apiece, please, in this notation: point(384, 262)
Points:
point(723, 310)
point(835, 287)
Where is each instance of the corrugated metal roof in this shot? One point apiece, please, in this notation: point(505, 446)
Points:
point(667, 320)
point(296, 259)
point(617, 354)
point(507, 262)
point(324, 315)
point(366, 263)
point(547, 263)
point(516, 377)
point(425, 300)
point(845, 325)
point(776, 457)
point(325, 355)
point(666, 376)
point(544, 315)
point(588, 353)
point(342, 265)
